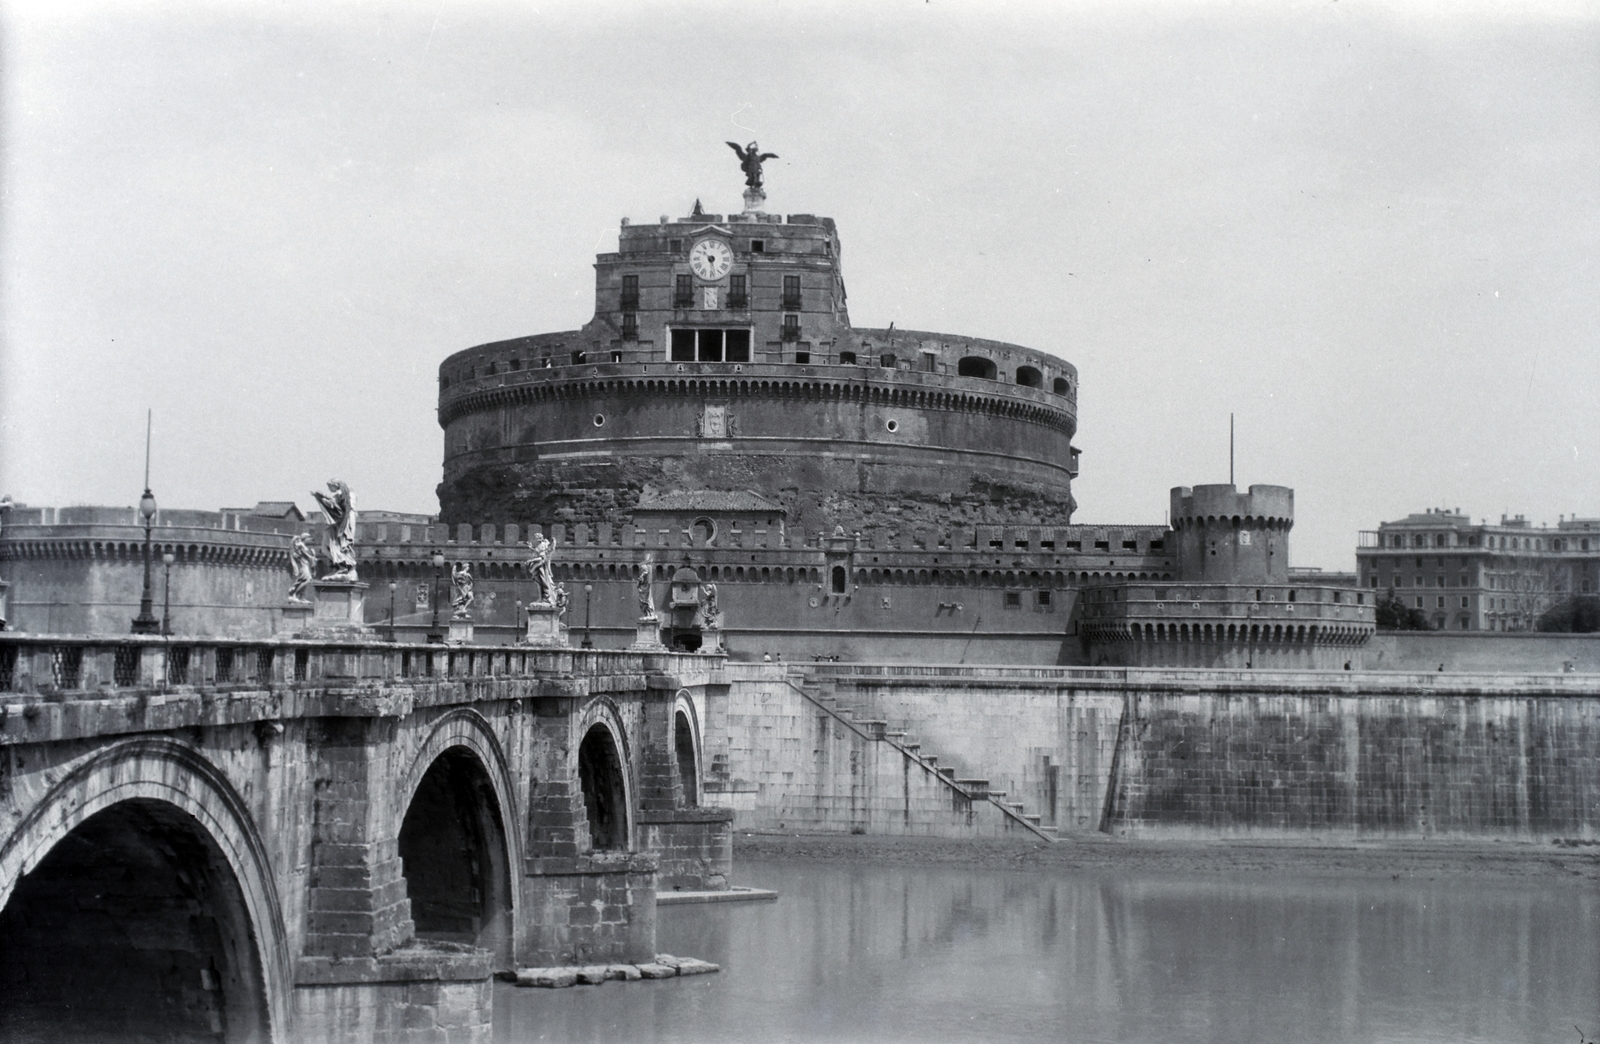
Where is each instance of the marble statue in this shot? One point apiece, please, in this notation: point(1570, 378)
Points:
point(302, 561)
point(539, 568)
point(461, 589)
point(561, 601)
point(750, 160)
point(709, 609)
point(647, 608)
point(340, 537)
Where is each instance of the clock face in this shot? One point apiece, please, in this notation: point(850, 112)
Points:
point(710, 259)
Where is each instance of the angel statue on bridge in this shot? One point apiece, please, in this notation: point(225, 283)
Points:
point(302, 560)
point(339, 539)
point(647, 608)
point(539, 568)
point(461, 590)
point(750, 160)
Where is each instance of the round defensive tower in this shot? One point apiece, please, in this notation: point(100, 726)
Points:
point(1227, 537)
point(721, 358)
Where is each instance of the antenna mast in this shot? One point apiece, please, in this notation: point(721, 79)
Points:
point(1230, 449)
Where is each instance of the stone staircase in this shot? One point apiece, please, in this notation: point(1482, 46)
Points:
point(876, 729)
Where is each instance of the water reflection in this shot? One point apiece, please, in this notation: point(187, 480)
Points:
point(868, 953)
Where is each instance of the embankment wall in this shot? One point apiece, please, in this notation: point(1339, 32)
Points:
point(1181, 753)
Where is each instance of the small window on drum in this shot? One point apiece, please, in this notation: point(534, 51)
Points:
point(847, 358)
point(1061, 386)
point(887, 360)
point(838, 578)
point(891, 426)
point(1030, 377)
point(599, 420)
point(704, 531)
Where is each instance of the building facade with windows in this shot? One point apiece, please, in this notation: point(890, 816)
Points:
point(1467, 576)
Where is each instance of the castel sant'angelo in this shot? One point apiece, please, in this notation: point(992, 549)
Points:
point(801, 487)
point(855, 491)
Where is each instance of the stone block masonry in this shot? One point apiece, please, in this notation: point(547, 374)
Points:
point(1170, 752)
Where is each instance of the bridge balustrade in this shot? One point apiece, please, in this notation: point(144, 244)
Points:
point(55, 665)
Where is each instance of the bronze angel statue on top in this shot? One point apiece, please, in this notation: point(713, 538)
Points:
point(750, 160)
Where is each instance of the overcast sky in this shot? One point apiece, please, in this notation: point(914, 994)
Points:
point(1372, 231)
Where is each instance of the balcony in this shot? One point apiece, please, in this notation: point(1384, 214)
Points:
point(738, 302)
point(791, 302)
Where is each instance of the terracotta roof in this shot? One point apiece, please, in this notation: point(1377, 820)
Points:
point(721, 500)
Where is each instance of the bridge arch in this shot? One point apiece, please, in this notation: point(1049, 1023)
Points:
point(459, 841)
point(156, 818)
point(686, 747)
point(605, 777)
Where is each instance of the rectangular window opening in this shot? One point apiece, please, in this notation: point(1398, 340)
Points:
point(710, 349)
point(683, 346)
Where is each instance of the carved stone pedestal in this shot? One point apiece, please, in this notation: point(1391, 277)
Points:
point(545, 630)
point(754, 200)
point(296, 617)
point(649, 634)
point(460, 630)
point(711, 639)
point(338, 610)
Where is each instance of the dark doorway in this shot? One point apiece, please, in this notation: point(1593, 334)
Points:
point(605, 799)
point(688, 773)
point(452, 847)
point(132, 928)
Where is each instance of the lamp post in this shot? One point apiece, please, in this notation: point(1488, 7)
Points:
point(146, 622)
point(393, 585)
point(435, 635)
point(166, 595)
point(588, 589)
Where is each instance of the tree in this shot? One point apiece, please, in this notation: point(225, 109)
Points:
point(1579, 614)
point(1395, 615)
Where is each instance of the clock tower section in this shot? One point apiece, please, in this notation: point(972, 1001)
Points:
point(751, 287)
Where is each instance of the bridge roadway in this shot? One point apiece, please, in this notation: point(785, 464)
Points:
point(292, 840)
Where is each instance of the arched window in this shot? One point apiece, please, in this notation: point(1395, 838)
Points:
point(976, 366)
point(1062, 387)
point(1030, 377)
point(838, 579)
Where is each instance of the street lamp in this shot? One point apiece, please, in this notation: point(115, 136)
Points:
point(146, 622)
point(435, 635)
point(392, 586)
point(166, 595)
point(588, 589)
point(521, 635)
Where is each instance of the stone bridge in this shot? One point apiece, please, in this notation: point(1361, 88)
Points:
point(284, 840)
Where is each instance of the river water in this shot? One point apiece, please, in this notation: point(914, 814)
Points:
point(856, 952)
